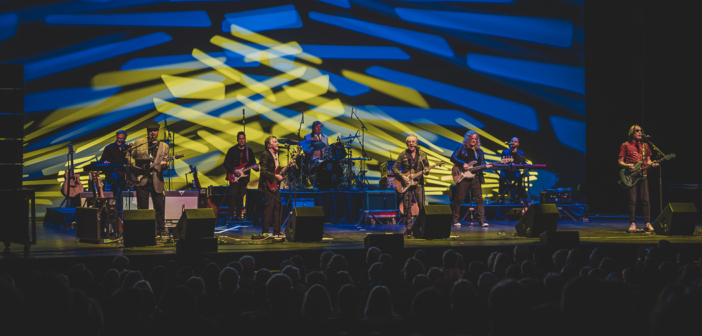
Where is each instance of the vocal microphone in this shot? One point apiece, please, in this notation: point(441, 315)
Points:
point(645, 136)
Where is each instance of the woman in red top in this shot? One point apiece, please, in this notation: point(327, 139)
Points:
point(631, 153)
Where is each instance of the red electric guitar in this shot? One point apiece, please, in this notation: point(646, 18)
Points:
point(274, 186)
point(239, 173)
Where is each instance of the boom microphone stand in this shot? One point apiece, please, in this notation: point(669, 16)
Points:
point(660, 170)
point(363, 150)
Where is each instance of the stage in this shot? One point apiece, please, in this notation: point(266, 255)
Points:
point(236, 238)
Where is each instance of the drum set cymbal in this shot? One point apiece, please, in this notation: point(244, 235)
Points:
point(287, 141)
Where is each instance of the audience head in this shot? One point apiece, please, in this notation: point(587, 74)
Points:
point(449, 259)
point(413, 267)
point(347, 301)
point(324, 259)
point(279, 290)
point(316, 278)
point(372, 256)
point(293, 273)
point(248, 265)
point(379, 305)
point(316, 304)
point(261, 278)
point(228, 280)
point(120, 263)
point(338, 263)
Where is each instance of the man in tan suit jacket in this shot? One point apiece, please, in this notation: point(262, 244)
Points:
point(150, 181)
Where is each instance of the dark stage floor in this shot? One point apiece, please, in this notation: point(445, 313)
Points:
point(54, 243)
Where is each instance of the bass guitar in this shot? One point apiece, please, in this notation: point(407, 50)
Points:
point(274, 186)
point(402, 186)
point(239, 173)
point(108, 212)
point(146, 172)
point(459, 173)
point(630, 177)
point(72, 185)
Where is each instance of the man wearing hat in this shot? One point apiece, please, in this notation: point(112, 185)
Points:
point(149, 180)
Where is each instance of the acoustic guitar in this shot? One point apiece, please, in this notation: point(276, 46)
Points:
point(72, 185)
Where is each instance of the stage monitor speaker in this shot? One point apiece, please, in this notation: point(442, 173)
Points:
point(539, 218)
point(196, 223)
point(139, 228)
point(305, 224)
point(88, 225)
point(433, 222)
point(560, 239)
point(178, 200)
point(676, 219)
point(391, 243)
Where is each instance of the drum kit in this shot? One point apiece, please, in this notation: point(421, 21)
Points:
point(330, 171)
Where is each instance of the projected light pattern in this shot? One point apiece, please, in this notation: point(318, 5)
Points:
point(429, 68)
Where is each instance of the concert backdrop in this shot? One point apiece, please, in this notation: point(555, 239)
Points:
point(436, 69)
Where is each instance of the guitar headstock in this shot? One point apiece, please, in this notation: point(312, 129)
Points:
point(507, 160)
point(669, 156)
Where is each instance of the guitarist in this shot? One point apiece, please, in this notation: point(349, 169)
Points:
point(116, 152)
point(415, 160)
point(467, 152)
point(630, 153)
point(152, 183)
point(272, 204)
point(238, 156)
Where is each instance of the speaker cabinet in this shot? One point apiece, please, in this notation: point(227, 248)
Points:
point(380, 200)
point(139, 228)
point(560, 239)
point(391, 243)
point(676, 219)
point(433, 222)
point(196, 223)
point(538, 219)
point(306, 224)
point(88, 225)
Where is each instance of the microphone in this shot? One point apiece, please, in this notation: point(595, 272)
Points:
point(303, 117)
point(645, 136)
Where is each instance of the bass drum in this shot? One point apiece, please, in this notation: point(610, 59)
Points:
point(329, 175)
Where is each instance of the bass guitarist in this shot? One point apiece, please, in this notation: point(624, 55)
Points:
point(151, 183)
point(238, 157)
point(467, 152)
point(415, 160)
point(272, 205)
point(630, 153)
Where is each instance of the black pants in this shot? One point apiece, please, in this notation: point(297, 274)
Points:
point(159, 204)
point(272, 207)
point(515, 179)
point(237, 191)
point(475, 187)
point(418, 195)
point(640, 190)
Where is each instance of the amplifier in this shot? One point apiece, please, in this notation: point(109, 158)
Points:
point(176, 201)
point(557, 196)
point(87, 196)
point(386, 169)
point(380, 200)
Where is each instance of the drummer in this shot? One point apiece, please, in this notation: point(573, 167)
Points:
point(316, 135)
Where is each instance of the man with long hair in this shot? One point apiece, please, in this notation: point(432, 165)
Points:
point(630, 153)
point(466, 153)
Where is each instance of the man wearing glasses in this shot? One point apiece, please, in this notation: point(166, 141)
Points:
point(632, 152)
point(415, 160)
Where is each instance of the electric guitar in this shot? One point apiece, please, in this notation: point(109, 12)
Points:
point(459, 173)
point(146, 172)
point(630, 177)
point(72, 185)
point(274, 186)
point(402, 186)
point(233, 178)
point(108, 212)
point(203, 200)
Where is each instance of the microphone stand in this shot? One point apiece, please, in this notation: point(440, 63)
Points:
point(167, 140)
point(363, 149)
point(243, 112)
point(660, 173)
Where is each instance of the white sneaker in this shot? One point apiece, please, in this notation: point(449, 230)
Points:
point(456, 223)
point(484, 224)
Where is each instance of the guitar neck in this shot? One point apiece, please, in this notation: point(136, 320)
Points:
point(415, 175)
